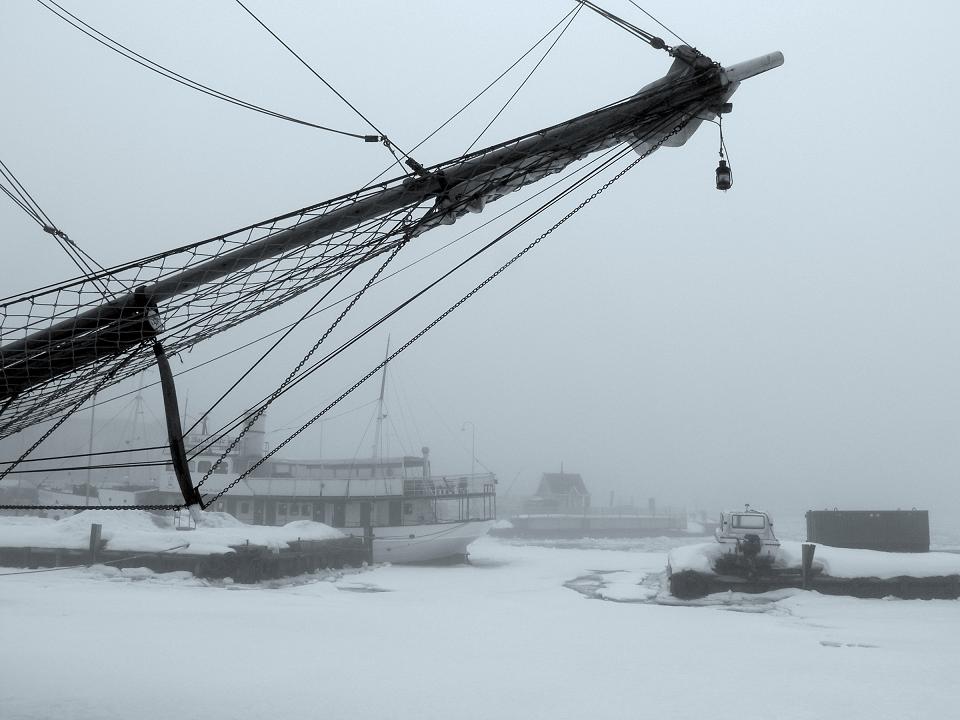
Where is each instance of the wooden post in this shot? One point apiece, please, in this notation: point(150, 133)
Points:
point(95, 530)
point(808, 549)
point(368, 541)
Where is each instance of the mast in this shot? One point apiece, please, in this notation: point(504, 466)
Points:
point(378, 433)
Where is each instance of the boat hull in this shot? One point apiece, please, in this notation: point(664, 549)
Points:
point(437, 542)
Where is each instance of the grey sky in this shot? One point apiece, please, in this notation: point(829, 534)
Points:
point(789, 343)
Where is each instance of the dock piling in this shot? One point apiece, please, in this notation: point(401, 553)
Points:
point(95, 530)
point(808, 549)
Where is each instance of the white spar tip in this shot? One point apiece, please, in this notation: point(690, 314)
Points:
point(196, 512)
point(749, 68)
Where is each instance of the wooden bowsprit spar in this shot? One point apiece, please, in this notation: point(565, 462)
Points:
point(59, 343)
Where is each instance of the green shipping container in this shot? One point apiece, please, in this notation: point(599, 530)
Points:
point(889, 530)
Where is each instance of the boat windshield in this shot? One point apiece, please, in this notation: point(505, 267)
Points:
point(749, 522)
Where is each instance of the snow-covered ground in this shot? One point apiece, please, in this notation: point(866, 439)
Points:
point(522, 632)
point(141, 531)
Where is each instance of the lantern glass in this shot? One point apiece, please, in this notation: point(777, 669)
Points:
point(724, 176)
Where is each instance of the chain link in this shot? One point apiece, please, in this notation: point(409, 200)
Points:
point(76, 406)
point(276, 393)
point(677, 128)
point(92, 507)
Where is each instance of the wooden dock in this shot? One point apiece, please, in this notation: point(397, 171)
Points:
point(246, 564)
point(689, 585)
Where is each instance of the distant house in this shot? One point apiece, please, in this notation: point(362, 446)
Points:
point(560, 493)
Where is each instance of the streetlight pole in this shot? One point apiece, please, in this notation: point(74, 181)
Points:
point(473, 446)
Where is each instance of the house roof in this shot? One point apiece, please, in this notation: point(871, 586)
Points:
point(561, 484)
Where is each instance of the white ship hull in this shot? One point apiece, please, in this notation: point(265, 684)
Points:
point(423, 543)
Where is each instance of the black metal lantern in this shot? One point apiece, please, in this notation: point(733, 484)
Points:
point(724, 176)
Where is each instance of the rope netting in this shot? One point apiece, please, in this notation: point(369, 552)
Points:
point(62, 343)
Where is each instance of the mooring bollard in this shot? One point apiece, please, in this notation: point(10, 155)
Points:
point(807, 549)
point(95, 530)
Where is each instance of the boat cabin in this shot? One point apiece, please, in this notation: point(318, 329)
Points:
point(747, 531)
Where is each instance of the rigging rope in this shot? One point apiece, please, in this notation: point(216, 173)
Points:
point(163, 71)
point(220, 434)
point(347, 298)
point(49, 338)
point(652, 40)
point(290, 328)
point(659, 23)
point(106, 377)
point(263, 408)
point(573, 16)
point(382, 136)
point(588, 174)
point(494, 82)
point(23, 199)
point(103, 466)
point(80, 456)
point(289, 382)
point(465, 298)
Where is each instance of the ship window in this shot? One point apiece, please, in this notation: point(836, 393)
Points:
point(749, 522)
point(282, 509)
point(294, 509)
point(244, 507)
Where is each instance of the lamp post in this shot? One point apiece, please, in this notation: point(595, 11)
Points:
point(473, 445)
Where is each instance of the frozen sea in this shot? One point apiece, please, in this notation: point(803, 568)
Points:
point(553, 630)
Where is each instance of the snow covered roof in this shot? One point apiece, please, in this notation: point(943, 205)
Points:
point(561, 484)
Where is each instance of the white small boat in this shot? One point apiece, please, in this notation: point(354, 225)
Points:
point(436, 542)
point(748, 539)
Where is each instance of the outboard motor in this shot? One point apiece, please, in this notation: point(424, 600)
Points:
point(750, 545)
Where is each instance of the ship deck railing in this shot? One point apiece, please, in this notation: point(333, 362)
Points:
point(484, 484)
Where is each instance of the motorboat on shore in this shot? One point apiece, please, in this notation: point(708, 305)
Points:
point(750, 547)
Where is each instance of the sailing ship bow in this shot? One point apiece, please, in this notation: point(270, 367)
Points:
point(62, 344)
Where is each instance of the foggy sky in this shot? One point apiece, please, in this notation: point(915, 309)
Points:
point(790, 343)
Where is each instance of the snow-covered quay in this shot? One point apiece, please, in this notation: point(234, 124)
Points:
point(507, 636)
